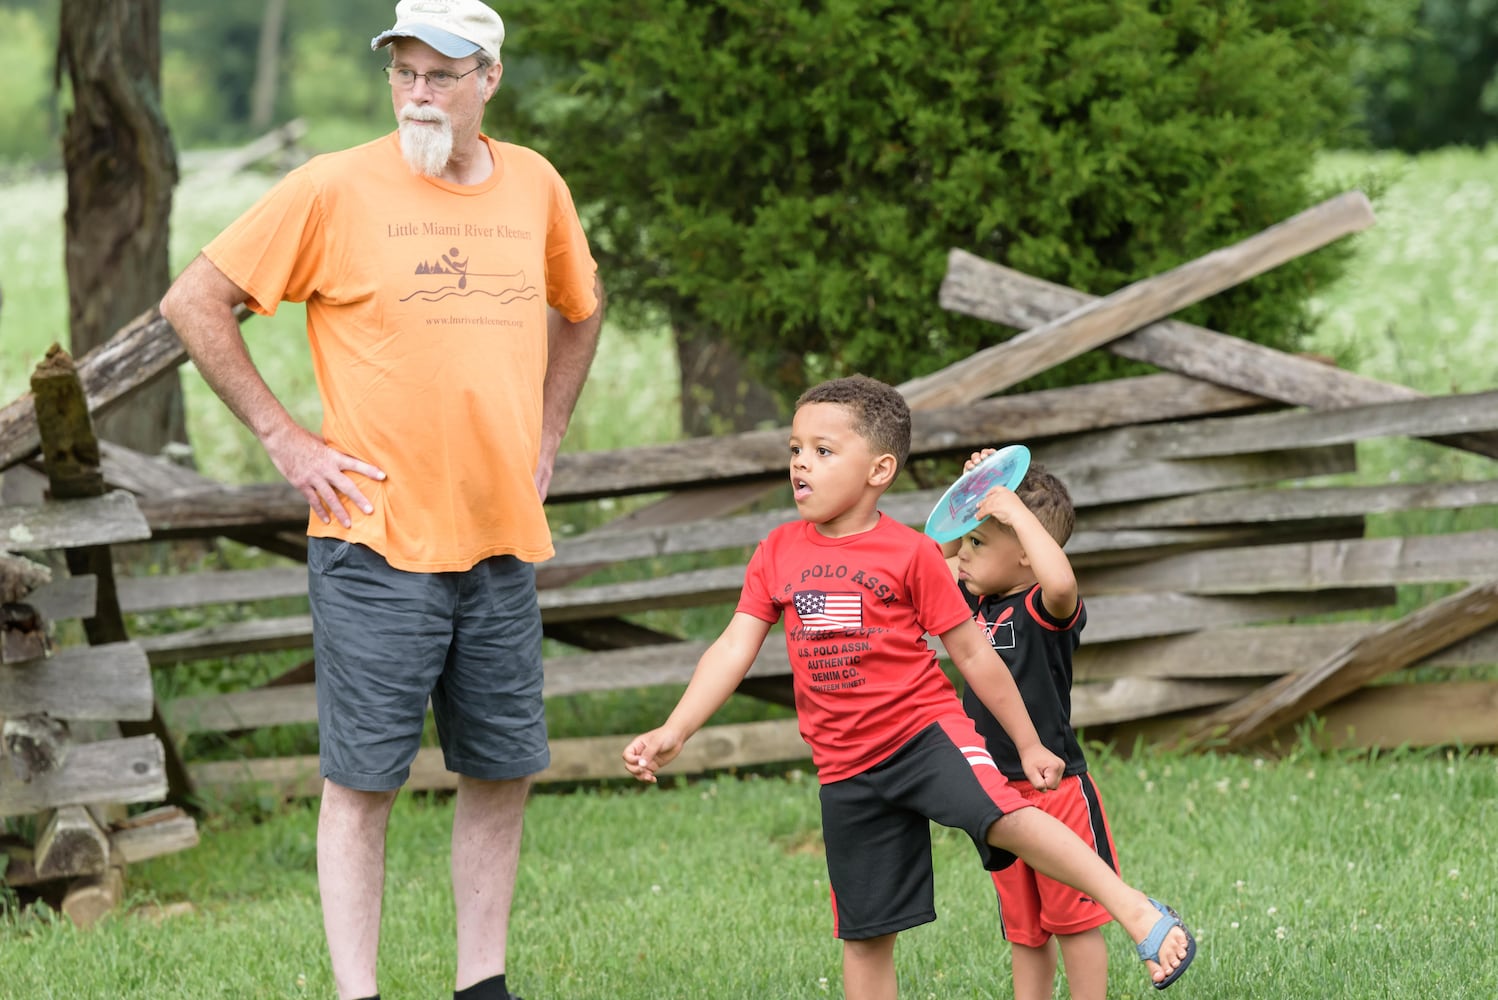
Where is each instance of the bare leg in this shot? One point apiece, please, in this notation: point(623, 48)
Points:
point(351, 881)
point(1055, 851)
point(1034, 971)
point(487, 823)
point(869, 969)
point(1085, 956)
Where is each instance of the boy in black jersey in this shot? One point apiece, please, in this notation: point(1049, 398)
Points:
point(1023, 593)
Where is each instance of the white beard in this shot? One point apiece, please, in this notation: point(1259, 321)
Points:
point(427, 150)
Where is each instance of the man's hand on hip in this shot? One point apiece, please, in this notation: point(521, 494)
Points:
point(319, 471)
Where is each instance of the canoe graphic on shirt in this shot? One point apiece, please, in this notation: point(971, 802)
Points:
point(452, 271)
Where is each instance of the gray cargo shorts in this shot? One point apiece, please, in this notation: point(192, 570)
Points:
point(387, 640)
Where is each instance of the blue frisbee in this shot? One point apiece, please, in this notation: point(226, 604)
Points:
point(956, 513)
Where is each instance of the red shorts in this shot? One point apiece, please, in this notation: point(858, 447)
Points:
point(1032, 907)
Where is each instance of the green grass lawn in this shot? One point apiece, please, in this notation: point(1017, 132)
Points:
point(1312, 877)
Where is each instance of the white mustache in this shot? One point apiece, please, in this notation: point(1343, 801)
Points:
point(418, 113)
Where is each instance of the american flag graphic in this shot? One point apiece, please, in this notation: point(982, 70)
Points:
point(820, 610)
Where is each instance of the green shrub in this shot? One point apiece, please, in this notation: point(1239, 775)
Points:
point(793, 175)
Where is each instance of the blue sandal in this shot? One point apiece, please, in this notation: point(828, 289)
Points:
point(1149, 948)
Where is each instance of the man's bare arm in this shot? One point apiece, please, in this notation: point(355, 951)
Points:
point(200, 306)
point(570, 350)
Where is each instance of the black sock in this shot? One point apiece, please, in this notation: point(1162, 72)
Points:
point(375, 997)
point(490, 989)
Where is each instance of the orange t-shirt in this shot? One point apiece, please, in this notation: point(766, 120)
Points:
point(426, 313)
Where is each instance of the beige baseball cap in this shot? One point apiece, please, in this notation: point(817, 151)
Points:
point(456, 28)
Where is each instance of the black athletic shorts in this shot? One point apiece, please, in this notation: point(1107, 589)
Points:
point(877, 826)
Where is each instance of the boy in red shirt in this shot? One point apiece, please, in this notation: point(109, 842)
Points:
point(893, 748)
point(1023, 594)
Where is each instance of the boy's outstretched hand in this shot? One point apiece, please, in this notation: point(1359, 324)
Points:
point(650, 752)
point(1042, 767)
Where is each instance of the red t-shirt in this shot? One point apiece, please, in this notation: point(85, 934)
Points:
point(857, 610)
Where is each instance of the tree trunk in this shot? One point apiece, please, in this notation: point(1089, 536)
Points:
point(121, 170)
point(718, 395)
point(267, 66)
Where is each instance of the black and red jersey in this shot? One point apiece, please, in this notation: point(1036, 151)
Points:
point(1038, 650)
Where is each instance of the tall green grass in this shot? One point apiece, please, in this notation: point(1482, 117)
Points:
point(1320, 876)
point(1416, 309)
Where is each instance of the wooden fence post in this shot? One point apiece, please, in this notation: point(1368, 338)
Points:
point(70, 453)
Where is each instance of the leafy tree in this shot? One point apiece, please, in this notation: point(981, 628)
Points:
point(121, 170)
point(334, 75)
point(210, 67)
point(791, 176)
point(1436, 85)
point(214, 46)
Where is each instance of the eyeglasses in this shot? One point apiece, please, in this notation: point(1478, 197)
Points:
point(437, 79)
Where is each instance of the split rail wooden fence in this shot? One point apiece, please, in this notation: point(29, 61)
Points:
point(1218, 546)
point(82, 737)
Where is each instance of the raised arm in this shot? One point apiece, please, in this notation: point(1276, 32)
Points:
point(1052, 569)
point(570, 349)
point(717, 676)
point(990, 680)
point(200, 306)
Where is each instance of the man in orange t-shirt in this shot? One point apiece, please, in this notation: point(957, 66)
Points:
point(453, 310)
